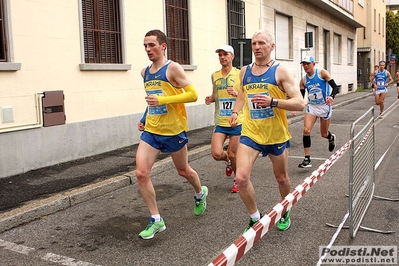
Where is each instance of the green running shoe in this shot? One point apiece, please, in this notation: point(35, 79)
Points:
point(200, 204)
point(152, 228)
point(284, 222)
point(251, 223)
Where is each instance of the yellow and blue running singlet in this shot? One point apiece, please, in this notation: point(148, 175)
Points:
point(264, 125)
point(167, 119)
point(224, 102)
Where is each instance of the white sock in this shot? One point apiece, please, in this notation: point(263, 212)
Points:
point(256, 215)
point(227, 156)
point(156, 217)
point(199, 195)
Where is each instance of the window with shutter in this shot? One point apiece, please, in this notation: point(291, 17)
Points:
point(283, 37)
point(236, 19)
point(350, 51)
point(315, 41)
point(101, 31)
point(337, 48)
point(177, 31)
point(3, 43)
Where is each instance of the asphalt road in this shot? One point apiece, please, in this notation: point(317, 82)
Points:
point(103, 230)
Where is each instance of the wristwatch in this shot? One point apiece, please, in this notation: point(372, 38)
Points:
point(274, 103)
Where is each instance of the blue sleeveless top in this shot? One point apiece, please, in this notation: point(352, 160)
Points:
point(317, 87)
point(264, 125)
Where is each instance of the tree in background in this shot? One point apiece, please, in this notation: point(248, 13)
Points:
point(392, 33)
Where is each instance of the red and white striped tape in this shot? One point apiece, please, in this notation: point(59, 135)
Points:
point(245, 242)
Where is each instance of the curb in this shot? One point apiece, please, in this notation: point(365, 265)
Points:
point(38, 208)
point(35, 209)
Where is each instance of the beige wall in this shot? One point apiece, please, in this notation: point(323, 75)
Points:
point(50, 53)
point(378, 34)
point(303, 13)
point(102, 107)
point(375, 39)
point(360, 12)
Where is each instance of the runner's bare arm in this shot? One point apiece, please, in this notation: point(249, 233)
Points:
point(286, 82)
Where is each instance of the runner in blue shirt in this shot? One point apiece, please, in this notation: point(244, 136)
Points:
point(318, 83)
point(381, 79)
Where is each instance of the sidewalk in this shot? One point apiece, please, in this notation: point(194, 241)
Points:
point(28, 196)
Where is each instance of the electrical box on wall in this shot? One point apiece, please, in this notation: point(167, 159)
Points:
point(309, 39)
point(242, 52)
point(53, 108)
point(7, 114)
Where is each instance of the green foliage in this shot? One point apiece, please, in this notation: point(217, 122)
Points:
point(392, 33)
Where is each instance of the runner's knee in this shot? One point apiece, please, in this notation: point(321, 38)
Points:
point(306, 131)
point(186, 172)
point(283, 180)
point(142, 176)
point(217, 155)
point(241, 181)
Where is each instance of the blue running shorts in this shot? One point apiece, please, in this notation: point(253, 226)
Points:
point(229, 131)
point(274, 149)
point(165, 144)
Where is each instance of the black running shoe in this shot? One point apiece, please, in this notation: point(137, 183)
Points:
point(305, 164)
point(331, 143)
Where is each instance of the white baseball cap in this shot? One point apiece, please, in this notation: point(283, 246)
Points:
point(308, 59)
point(226, 48)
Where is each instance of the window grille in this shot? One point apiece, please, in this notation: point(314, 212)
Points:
point(101, 31)
point(236, 19)
point(177, 31)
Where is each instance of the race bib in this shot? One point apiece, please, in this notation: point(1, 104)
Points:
point(316, 96)
point(160, 109)
point(380, 84)
point(259, 112)
point(226, 106)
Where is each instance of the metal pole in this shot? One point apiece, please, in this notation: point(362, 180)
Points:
point(241, 44)
point(302, 50)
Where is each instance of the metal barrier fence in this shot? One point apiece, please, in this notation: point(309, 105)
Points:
point(361, 173)
point(246, 241)
point(361, 189)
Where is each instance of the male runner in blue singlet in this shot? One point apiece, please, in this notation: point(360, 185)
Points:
point(317, 83)
point(164, 127)
point(382, 78)
point(263, 97)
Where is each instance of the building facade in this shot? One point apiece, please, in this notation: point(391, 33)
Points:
point(393, 5)
point(371, 40)
point(70, 77)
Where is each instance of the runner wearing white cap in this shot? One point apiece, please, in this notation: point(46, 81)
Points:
point(317, 83)
point(225, 86)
